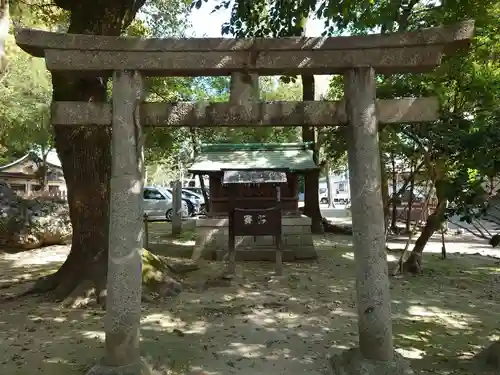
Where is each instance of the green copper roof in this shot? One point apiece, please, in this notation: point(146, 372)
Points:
point(226, 147)
point(289, 156)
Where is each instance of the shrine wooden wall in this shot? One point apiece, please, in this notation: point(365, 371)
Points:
point(252, 196)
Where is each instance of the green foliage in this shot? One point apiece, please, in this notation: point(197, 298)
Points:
point(175, 148)
point(25, 92)
point(459, 150)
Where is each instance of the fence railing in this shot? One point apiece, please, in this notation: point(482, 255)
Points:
point(63, 195)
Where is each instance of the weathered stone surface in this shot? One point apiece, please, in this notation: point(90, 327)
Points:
point(244, 89)
point(138, 368)
point(123, 303)
point(419, 51)
point(314, 113)
point(212, 241)
point(418, 59)
point(368, 224)
point(32, 223)
point(351, 362)
point(34, 41)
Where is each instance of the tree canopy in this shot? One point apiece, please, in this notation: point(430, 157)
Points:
point(458, 152)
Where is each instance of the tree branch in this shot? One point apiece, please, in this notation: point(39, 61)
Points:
point(481, 235)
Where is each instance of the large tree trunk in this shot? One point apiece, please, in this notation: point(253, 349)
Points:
point(86, 158)
point(414, 263)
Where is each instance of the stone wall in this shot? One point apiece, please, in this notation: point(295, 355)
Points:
point(212, 236)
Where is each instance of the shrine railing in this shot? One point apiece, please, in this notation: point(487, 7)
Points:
point(253, 222)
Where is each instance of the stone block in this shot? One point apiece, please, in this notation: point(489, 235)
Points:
point(212, 236)
point(351, 362)
point(139, 368)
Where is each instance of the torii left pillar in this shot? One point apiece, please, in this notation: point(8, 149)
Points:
point(126, 231)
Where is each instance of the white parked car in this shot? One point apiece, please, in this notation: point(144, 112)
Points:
point(158, 204)
point(337, 200)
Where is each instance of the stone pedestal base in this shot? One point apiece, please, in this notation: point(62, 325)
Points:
point(139, 368)
point(212, 241)
point(351, 362)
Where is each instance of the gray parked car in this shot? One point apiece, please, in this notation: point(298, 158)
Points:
point(158, 204)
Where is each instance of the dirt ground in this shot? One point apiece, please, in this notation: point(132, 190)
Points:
point(260, 324)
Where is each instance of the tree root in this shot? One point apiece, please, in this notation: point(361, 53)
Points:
point(490, 357)
point(336, 229)
point(88, 289)
point(413, 264)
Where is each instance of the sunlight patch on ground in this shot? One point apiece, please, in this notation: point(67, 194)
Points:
point(26, 276)
point(342, 347)
point(264, 317)
point(184, 243)
point(242, 293)
point(56, 360)
point(24, 262)
point(392, 258)
point(40, 257)
point(256, 326)
point(344, 313)
point(60, 319)
point(411, 353)
point(349, 256)
point(448, 318)
point(483, 270)
point(198, 327)
point(162, 322)
point(198, 370)
point(94, 335)
point(421, 336)
point(244, 350)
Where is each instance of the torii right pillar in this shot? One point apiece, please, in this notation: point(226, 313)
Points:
point(375, 354)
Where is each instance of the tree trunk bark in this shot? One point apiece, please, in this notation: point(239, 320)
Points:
point(410, 199)
point(311, 179)
point(44, 171)
point(85, 157)
point(414, 263)
point(204, 192)
point(329, 187)
point(394, 200)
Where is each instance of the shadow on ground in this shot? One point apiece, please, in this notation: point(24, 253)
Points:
point(261, 324)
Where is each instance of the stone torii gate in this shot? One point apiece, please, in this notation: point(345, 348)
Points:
point(357, 58)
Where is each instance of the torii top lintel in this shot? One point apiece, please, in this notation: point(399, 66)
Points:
point(406, 52)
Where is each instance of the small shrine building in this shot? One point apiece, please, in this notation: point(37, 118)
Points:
point(245, 176)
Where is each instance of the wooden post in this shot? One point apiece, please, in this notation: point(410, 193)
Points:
point(231, 244)
point(177, 208)
point(123, 304)
point(279, 252)
point(372, 281)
